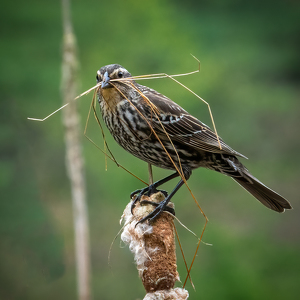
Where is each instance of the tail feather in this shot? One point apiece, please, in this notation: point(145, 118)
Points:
point(265, 195)
point(231, 166)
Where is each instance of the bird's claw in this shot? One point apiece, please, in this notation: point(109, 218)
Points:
point(138, 195)
point(148, 191)
point(159, 208)
point(167, 208)
point(134, 193)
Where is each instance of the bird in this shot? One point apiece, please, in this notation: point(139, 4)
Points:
point(158, 131)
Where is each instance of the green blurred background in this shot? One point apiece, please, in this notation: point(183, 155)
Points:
point(249, 53)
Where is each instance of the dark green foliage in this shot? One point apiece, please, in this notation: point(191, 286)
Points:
point(249, 53)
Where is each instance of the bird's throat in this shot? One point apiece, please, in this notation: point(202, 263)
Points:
point(111, 97)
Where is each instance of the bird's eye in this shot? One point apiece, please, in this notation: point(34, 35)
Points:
point(120, 74)
point(98, 77)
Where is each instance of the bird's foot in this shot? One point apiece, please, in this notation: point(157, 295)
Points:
point(159, 208)
point(167, 208)
point(147, 191)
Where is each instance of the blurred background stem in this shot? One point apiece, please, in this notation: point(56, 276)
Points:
point(74, 158)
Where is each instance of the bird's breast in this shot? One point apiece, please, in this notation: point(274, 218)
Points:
point(132, 130)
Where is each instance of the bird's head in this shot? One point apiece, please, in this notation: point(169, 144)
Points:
point(110, 72)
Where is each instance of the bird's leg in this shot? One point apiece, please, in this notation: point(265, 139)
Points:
point(151, 189)
point(150, 174)
point(162, 206)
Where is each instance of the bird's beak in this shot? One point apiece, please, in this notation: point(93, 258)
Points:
point(105, 82)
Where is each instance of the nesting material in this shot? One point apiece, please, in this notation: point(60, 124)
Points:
point(153, 246)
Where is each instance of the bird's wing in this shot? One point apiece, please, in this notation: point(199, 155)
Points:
point(168, 117)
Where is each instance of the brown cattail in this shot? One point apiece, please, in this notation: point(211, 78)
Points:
point(153, 246)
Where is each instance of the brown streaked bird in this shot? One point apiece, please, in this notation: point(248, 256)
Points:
point(140, 119)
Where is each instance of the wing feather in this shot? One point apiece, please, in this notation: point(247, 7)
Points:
point(181, 126)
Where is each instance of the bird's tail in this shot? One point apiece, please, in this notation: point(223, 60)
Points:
point(262, 193)
point(230, 165)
